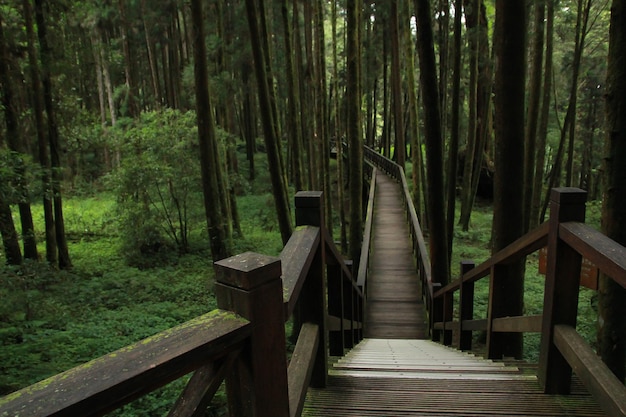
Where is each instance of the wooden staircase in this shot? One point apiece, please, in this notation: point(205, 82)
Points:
point(395, 377)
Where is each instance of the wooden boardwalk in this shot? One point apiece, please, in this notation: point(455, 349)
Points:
point(395, 372)
point(394, 308)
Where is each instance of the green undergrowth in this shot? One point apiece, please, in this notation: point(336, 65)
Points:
point(51, 320)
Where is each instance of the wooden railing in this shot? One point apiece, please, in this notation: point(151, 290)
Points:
point(242, 343)
point(568, 241)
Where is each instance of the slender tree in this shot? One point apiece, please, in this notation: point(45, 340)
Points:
point(542, 131)
point(611, 296)
point(396, 81)
point(53, 137)
point(294, 128)
point(510, 47)
point(354, 130)
point(434, 144)
point(453, 148)
point(219, 239)
point(269, 130)
point(16, 144)
point(534, 101)
point(44, 157)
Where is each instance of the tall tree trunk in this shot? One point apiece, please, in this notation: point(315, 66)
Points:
point(453, 154)
point(133, 108)
point(219, 239)
point(542, 132)
point(323, 128)
point(534, 100)
point(611, 296)
point(434, 144)
point(479, 135)
point(508, 224)
point(338, 133)
point(15, 142)
point(396, 81)
point(154, 75)
point(353, 125)
point(569, 123)
point(269, 130)
point(413, 125)
point(53, 138)
point(581, 34)
point(293, 117)
point(44, 158)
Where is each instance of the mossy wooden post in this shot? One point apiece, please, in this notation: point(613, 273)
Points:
point(466, 307)
point(312, 304)
point(560, 303)
point(448, 315)
point(250, 285)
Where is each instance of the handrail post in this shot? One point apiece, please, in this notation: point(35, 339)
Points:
point(312, 306)
point(561, 289)
point(466, 306)
point(250, 285)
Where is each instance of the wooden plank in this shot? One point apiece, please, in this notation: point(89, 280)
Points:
point(113, 380)
point(523, 324)
point(601, 250)
point(597, 377)
point(364, 261)
point(301, 367)
point(201, 388)
point(296, 258)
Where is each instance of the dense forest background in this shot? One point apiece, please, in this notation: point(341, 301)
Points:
point(168, 114)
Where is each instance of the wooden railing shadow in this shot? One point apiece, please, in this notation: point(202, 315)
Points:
point(242, 343)
point(563, 350)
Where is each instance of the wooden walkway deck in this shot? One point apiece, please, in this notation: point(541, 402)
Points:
point(394, 373)
point(394, 308)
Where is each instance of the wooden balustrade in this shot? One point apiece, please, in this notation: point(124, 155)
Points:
point(243, 342)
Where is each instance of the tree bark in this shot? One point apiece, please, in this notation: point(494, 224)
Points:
point(295, 131)
point(53, 138)
point(534, 100)
point(354, 129)
point(542, 132)
point(15, 142)
point(434, 144)
point(453, 152)
point(611, 296)
point(396, 81)
point(510, 47)
point(219, 239)
point(269, 130)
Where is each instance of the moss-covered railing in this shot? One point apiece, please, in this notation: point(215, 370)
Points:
point(242, 343)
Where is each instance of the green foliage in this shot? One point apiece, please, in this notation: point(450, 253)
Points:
point(18, 174)
point(158, 185)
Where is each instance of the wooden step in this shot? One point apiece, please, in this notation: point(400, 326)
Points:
point(394, 377)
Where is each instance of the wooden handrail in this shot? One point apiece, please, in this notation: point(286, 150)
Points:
point(595, 375)
point(602, 251)
point(367, 234)
point(113, 380)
